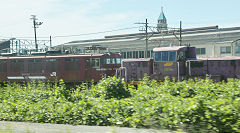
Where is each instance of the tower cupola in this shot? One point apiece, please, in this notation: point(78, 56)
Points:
point(162, 22)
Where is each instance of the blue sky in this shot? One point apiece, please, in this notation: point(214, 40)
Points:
point(75, 17)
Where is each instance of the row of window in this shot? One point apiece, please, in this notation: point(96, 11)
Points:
point(223, 50)
point(137, 54)
point(199, 51)
point(112, 61)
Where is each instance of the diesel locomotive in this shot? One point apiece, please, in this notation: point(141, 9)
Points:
point(179, 62)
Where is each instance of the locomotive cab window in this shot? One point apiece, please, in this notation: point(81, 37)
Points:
point(181, 56)
point(95, 62)
point(165, 56)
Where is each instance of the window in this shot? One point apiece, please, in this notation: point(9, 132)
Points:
point(124, 55)
point(52, 65)
point(112, 61)
point(109, 61)
point(148, 54)
point(141, 54)
point(52, 60)
point(181, 56)
point(118, 60)
point(201, 51)
point(129, 54)
point(165, 56)
point(172, 56)
point(35, 65)
point(17, 61)
point(225, 50)
point(72, 64)
point(95, 62)
point(237, 50)
point(87, 63)
point(72, 59)
point(17, 66)
point(135, 54)
point(158, 56)
point(35, 60)
point(151, 53)
point(3, 65)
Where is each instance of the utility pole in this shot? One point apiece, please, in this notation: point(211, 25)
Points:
point(35, 25)
point(19, 47)
point(50, 42)
point(180, 40)
point(146, 34)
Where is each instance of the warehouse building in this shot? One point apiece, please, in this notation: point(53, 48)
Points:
point(210, 41)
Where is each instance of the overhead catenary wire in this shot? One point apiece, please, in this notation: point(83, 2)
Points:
point(93, 33)
point(84, 34)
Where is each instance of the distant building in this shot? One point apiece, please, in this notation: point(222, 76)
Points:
point(210, 41)
point(4, 46)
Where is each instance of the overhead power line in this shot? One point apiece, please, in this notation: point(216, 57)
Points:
point(93, 33)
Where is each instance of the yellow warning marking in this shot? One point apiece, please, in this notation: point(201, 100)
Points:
point(168, 64)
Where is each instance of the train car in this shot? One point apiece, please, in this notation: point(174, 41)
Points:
point(170, 61)
point(219, 68)
point(180, 62)
point(137, 68)
point(70, 68)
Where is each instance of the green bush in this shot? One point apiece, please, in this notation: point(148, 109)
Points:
point(194, 105)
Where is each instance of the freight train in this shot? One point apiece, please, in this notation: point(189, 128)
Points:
point(70, 68)
point(179, 62)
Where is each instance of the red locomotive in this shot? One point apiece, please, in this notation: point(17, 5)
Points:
point(179, 62)
point(70, 68)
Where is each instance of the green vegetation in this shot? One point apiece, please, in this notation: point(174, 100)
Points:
point(193, 106)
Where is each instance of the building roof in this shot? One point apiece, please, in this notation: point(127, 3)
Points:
point(136, 41)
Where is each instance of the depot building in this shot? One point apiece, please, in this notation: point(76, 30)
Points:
point(211, 41)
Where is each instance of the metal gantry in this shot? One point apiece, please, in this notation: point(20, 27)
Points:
point(25, 47)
